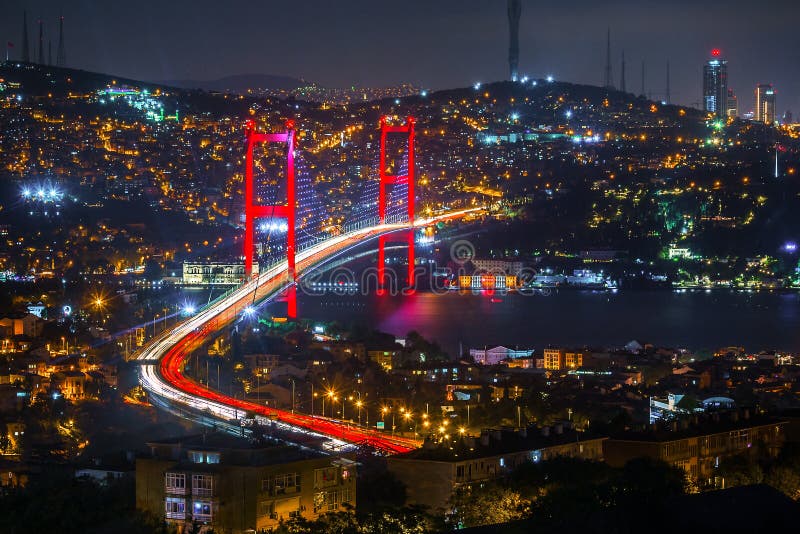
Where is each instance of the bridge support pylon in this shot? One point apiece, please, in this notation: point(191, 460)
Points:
point(407, 128)
point(254, 210)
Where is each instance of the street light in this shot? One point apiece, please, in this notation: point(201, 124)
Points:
point(359, 404)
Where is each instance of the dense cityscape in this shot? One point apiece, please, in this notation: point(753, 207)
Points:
point(206, 287)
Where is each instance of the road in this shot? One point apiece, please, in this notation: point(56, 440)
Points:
point(164, 357)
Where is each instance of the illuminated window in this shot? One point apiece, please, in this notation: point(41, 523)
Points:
point(175, 508)
point(202, 485)
point(176, 482)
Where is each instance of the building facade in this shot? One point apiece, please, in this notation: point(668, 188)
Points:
point(715, 85)
point(559, 359)
point(225, 484)
point(431, 474)
point(765, 104)
point(212, 274)
point(494, 355)
point(699, 449)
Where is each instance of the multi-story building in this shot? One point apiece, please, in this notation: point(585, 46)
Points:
point(715, 85)
point(699, 449)
point(227, 484)
point(497, 266)
point(431, 474)
point(204, 274)
point(494, 355)
point(558, 359)
point(733, 104)
point(765, 104)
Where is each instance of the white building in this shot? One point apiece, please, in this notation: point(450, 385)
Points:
point(222, 274)
point(497, 266)
point(495, 355)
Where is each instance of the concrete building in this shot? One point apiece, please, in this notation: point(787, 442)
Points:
point(497, 266)
point(699, 448)
point(558, 359)
point(765, 104)
point(230, 485)
point(431, 474)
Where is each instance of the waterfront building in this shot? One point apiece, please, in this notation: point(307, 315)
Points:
point(497, 266)
point(213, 273)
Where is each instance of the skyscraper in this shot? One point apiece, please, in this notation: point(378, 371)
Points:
point(715, 84)
point(26, 52)
point(514, 12)
point(733, 105)
point(765, 103)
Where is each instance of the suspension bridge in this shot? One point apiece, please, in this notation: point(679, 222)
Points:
point(164, 357)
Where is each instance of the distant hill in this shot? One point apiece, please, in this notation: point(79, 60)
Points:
point(240, 83)
point(41, 80)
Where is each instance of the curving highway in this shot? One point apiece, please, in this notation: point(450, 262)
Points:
point(164, 357)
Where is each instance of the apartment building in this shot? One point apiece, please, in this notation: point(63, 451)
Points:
point(227, 484)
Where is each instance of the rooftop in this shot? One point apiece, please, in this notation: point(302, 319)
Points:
point(496, 442)
point(236, 450)
point(704, 426)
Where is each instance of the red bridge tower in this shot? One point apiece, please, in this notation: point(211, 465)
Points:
point(286, 211)
point(406, 236)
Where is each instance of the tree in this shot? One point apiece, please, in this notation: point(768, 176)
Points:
point(488, 505)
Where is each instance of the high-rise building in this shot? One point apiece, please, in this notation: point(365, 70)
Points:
point(733, 105)
point(765, 103)
point(715, 84)
point(514, 12)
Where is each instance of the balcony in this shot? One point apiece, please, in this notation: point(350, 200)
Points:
point(175, 490)
point(202, 492)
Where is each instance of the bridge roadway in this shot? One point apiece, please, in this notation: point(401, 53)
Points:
point(164, 357)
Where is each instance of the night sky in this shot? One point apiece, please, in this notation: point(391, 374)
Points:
point(431, 43)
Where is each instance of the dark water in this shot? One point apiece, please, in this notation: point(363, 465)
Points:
point(697, 320)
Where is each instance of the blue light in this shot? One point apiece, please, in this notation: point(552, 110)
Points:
point(569, 114)
point(423, 93)
point(477, 85)
point(249, 311)
point(790, 246)
point(550, 78)
point(189, 309)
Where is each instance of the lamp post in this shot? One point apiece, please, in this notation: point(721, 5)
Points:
point(384, 411)
point(359, 404)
